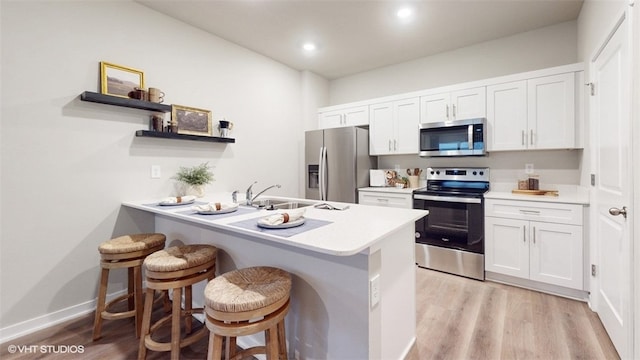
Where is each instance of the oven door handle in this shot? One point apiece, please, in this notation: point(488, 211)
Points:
point(455, 199)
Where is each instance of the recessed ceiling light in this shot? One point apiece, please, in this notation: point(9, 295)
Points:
point(309, 46)
point(404, 13)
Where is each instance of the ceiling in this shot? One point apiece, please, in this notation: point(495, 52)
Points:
point(355, 36)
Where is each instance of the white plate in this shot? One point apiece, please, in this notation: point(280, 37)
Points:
point(217, 212)
point(162, 203)
point(286, 225)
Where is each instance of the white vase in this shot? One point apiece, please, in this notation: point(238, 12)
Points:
point(196, 190)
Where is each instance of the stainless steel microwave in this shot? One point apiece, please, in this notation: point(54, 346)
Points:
point(454, 138)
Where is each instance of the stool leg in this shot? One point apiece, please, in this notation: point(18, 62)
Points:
point(215, 347)
point(102, 298)
point(131, 288)
point(231, 346)
point(175, 324)
point(137, 294)
point(282, 341)
point(188, 321)
point(146, 323)
point(271, 342)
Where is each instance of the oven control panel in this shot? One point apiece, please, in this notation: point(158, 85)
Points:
point(458, 174)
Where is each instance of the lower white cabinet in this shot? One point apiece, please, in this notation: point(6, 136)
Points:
point(518, 244)
point(390, 199)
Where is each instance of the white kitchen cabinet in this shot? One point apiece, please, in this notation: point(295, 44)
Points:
point(551, 112)
point(536, 241)
point(537, 113)
point(506, 116)
point(350, 116)
point(454, 105)
point(389, 199)
point(393, 127)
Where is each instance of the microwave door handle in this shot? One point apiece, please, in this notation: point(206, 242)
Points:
point(454, 199)
point(470, 138)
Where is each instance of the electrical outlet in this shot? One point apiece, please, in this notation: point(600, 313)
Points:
point(374, 283)
point(156, 172)
point(528, 168)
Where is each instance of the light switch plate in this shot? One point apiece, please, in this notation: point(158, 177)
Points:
point(156, 172)
point(374, 292)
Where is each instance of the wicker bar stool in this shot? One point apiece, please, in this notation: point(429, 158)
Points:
point(172, 269)
point(244, 302)
point(124, 252)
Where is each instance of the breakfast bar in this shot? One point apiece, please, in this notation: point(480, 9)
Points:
point(353, 292)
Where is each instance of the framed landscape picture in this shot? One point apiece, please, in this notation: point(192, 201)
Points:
point(118, 80)
point(191, 120)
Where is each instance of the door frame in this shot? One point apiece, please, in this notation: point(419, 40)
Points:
point(628, 13)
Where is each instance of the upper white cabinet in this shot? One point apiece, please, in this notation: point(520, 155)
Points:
point(393, 127)
point(350, 116)
point(453, 105)
point(537, 113)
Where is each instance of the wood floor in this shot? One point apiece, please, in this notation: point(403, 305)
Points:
point(458, 318)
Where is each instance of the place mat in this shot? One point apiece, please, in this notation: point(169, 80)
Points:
point(241, 211)
point(169, 207)
point(309, 224)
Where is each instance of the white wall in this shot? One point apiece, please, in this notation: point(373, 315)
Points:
point(533, 50)
point(67, 165)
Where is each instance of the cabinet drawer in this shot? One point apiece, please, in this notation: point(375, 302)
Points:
point(533, 210)
point(391, 200)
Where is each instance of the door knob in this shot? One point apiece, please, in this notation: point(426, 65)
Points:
point(615, 211)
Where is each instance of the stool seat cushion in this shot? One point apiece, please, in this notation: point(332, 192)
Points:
point(247, 289)
point(131, 243)
point(183, 257)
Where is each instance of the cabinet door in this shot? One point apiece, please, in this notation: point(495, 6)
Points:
point(507, 116)
point(381, 129)
point(356, 116)
point(556, 254)
point(551, 112)
point(506, 247)
point(331, 119)
point(469, 103)
point(434, 108)
point(407, 118)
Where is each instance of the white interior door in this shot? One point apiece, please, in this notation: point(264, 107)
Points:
point(611, 129)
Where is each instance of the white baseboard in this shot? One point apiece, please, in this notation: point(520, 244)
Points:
point(47, 320)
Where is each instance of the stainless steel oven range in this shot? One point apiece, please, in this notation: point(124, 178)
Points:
point(451, 237)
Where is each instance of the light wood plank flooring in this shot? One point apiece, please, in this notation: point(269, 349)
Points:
point(458, 318)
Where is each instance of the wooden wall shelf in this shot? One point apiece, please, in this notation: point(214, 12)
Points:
point(168, 135)
point(124, 102)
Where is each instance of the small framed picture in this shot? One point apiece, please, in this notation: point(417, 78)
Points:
point(191, 120)
point(118, 80)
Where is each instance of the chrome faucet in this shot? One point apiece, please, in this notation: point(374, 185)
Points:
point(251, 198)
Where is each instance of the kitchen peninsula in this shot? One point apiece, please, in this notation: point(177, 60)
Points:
point(353, 294)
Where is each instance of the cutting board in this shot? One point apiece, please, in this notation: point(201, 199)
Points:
point(536, 192)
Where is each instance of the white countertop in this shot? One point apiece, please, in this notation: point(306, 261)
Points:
point(350, 231)
point(388, 189)
point(567, 194)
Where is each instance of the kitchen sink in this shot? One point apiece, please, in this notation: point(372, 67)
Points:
point(276, 204)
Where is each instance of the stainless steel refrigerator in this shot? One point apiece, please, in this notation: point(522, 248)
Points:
point(337, 163)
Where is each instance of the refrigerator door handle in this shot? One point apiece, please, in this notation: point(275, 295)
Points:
point(320, 171)
point(325, 176)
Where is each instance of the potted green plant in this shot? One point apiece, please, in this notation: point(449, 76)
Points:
point(194, 179)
